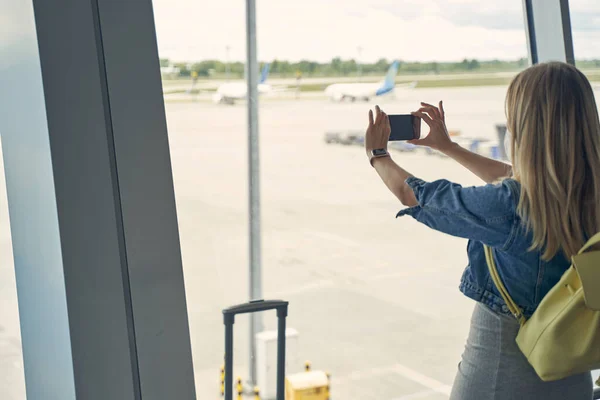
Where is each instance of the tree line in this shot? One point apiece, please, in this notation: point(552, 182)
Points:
point(340, 67)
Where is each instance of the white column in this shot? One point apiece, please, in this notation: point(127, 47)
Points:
point(548, 28)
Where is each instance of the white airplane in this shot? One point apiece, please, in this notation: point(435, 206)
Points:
point(364, 91)
point(228, 93)
point(169, 71)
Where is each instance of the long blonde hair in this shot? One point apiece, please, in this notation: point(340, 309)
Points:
point(553, 119)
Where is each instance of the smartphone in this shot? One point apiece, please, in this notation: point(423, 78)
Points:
point(405, 127)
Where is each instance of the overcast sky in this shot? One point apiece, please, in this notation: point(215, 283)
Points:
point(423, 30)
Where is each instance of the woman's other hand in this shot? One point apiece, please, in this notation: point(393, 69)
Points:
point(378, 131)
point(438, 138)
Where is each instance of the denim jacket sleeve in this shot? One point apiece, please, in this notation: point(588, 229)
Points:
point(482, 213)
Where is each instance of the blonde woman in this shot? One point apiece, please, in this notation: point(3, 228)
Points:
point(535, 215)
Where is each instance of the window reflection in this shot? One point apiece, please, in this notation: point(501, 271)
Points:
point(374, 300)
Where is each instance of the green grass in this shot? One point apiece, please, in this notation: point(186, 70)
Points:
point(179, 91)
point(312, 87)
point(173, 91)
point(593, 76)
point(466, 82)
point(458, 82)
point(471, 81)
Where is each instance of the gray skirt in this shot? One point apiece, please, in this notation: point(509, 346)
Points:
point(493, 367)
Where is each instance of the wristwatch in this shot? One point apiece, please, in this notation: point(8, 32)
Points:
point(377, 153)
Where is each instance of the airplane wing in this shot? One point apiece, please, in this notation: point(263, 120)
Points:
point(409, 85)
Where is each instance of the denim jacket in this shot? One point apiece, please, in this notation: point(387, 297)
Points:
point(488, 215)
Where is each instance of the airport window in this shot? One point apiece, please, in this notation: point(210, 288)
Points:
point(374, 300)
point(12, 378)
point(585, 16)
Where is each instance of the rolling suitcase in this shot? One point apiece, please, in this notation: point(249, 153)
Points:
point(249, 308)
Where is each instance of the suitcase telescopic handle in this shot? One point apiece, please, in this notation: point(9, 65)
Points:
point(252, 307)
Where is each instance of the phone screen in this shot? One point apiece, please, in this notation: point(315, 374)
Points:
point(404, 127)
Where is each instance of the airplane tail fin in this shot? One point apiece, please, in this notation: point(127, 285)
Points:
point(264, 73)
point(390, 79)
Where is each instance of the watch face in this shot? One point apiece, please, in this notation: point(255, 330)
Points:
point(379, 152)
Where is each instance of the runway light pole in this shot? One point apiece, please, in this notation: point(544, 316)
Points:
point(255, 278)
point(359, 67)
point(227, 48)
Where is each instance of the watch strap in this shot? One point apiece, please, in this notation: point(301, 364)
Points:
point(377, 153)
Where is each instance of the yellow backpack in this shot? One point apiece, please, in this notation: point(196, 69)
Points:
point(562, 337)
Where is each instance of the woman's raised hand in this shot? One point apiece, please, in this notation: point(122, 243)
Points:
point(378, 131)
point(438, 138)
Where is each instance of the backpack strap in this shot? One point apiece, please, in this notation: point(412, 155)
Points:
point(512, 306)
point(594, 240)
